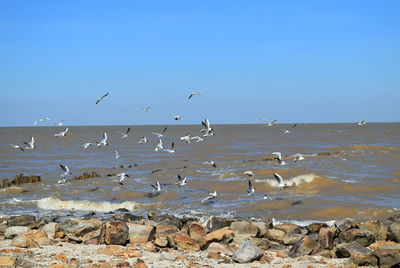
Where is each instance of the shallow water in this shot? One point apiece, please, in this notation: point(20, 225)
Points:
point(348, 171)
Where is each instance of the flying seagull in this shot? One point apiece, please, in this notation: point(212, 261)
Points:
point(177, 117)
point(59, 123)
point(180, 181)
point(116, 154)
point(40, 120)
point(62, 133)
point(162, 133)
point(197, 138)
point(299, 157)
point(270, 124)
point(157, 187)
point(361, 123)
point(125, 135)
point(279, 158)
point(210, 196)
point(207, 130)
point(17, 147)
point(120, 178)
point(287, 131)
point(249, 173)
point(103, 142)
point(143, 140)
point(65, 173)
point(172, 150)
point(192, 94)
point(186, 138)
point(251, 190)
point(279, 179)
point(30, 145)
point(145, 109)
point(105, 95)
point(210, 163)
point(86, 145)
point(159, 146)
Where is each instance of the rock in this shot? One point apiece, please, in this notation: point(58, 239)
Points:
point(169, 219)
point(140, 233)
point(109, 250)
point(275, 235)
point(14, 231)
point(3, 228)
point(166, 228)
point(23, 220)
point(244, 228)
point(277, 246)
point(214, 255)
point(379, 230)
point(359, 255)
point(70, 227)
point(214, 223)
point(61, 257)
point(224, 235)
point(361, 236)
point(288, 228)
point(39, 236)
point(247, 252)
point(51, 229)
point(316, 227)
point(197, 231)
point(7, 261)
point(394, 230)
point(92, 238)
point(304, 247)
point(326, 236)
point(161, 241)
point(291, 238)
point(23, 241)
point(219, 248)
point(388, 253)
point(84, 230)
point(262, 228)
point(262, 243)
point(140, 264)
point(184, 242)
point(114, 233)
point(346, 224)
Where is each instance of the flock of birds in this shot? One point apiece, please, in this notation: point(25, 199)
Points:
point(206, 131)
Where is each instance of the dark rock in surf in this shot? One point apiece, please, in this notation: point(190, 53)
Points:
point(22, 220)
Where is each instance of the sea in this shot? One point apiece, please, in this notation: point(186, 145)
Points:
point(348, 171)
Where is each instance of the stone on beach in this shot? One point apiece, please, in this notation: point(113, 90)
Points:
point(247, 252)
point(388, 253)
point(140, 233)
point(304, 247)
point(359, 255)
point(14, 231)
point(361, 236)
point(22, 220)
point(224, 235)
point(51, 229)
point(114, 233)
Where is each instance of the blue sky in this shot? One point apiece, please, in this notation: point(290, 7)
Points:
point(295, 61)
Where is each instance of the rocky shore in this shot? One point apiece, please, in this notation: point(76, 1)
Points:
point(126, 240)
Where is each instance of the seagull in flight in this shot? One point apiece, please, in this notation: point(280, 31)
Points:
point(145, 109)
point(192, 94)
point(180, 181)
point(177, 117)
point(105, 95)
point(279, 179)
point(279, 158)
point(207, 130)
point(251, 190)
point(299, 157)
point(197, 138)
point(162, 133)
point(65, 173)
point(249, 173)
point(30, 145)
point(361, 123)
point(287, 131)
point(210, 163)
point(159, 146)
point(172, 150)
point(270, 124)
point(210, 196)
point(116, 154)
point(59, 123)
point(186, 138)
point(157, 187)
point(125, 135)
point(62, 133)
point(17, 147)
point(143, 140)
point(40, 120)
point(86, 145)
point(120, 178)
point(103, 142)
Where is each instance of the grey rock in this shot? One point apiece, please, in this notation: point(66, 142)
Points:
point(22, 220)
point(247, 252)
point(305, 246)
point(394, 230)
point(262, 228)
point(358, 254)
point(291, 239)
point(244, 228)
point(361, 236)
point(51, 229)
point(14, 231)
point(214, 223)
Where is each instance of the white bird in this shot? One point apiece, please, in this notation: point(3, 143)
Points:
point(178, 117)
point(279, 158)
point(172, 150)
point(145, 109)
point(105, 95)
point(157, 187)
point(299, 157)
point(120, 178)
point(270, 124)
point(62, 133)
point(180, 181)
point(251, 190)
point(17, 147)
point(192, 94)
point(361, 123)
point(143, 140)
point(266, 197)
point(30, 145)
point(210, 163)
point(116, 154)
point(125, 135)
point(86, 145)
point(59, 123)
point(287, 131)
point(210, 196)
point(207, 130)
point(281, 184)
point(65, 173)
point(159, 146)
point(197, 138)
point(103, 142)
point(40, 120)
point(162, 133)
point(186, 138)
point(249, 173)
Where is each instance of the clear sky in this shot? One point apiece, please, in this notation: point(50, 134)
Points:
point(295, 61)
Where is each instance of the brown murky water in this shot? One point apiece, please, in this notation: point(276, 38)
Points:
point(348, 171)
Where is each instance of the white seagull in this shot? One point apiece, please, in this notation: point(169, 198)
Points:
point(172, 150)
point(361, 123)
point(210, 196)
point(270, 124)
point(279, 158)
point(207, 130)
point(197, 138)
point(159, 146)
point(62, 133)
point(143, 140)
point(30, 145)
point(281, 184)
point(186, 138)
point(120, 178)
point(192, 94)
point(249, 173)
point(177, 117)
point(17, 147)
point(145, 109)
point(105, 95)
point(157, 187)
point(86, 145)
point(103, 142)
point(299, 157)
point(40, 120)
point(125, 135)
point(59, 123)
point(162, 133)
point(180, 181)
point(251, 190)
point(65, 173)
point(210, 163)
point(287, 131)
point(116, 154)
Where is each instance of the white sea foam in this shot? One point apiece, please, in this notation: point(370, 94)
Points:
point(302, 223)
point(52, 203)
point(295, 181)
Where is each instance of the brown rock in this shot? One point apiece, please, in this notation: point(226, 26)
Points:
point(60, 235)
point(304, 247)
point(61, 265)
point(214, 223)
point(394, 229)
point(140, 264)
point(358, 254)
point(61, 257)
point(275, 235)
point(377, 228)
point(92, 238)
point(288, 228)
point(315, 227)
point(197, 231)
point(140, 233)
point(224, 235)
point(326, 238)
point(291, 238)
point(244, 228)
point(161, 241)
point(109, 250)
point(114, 233)
point(183, 242)
point(23, 220)
point(6, 261)
point(286, 266)
point(388, 253)
point(84, 230)
point(213, 255)
point(220, 248)
point(262, 228)
point(281, 254)
point(39, 236)
point(360, 236)
point(262, 243)
point(23, 241)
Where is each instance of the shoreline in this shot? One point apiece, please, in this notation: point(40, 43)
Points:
point(127, 240)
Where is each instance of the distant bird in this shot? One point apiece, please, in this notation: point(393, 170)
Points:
point(279, 158)
point(157, 187)
point(299, 157)
point(162, 133)
point(270, 124)
point(197, 138)
point(125, 135)
point(105, 95)
point(30, 145)
point(116, 154)
point(120, 178)
point(287, 131)
point(361, 123)
point(86, 145)
point(186, 138)
point(181, 181)
point(40, 120)
point(65, 173)
point(177, 117)
point(145, 109)
point(59, 123)
point(143, 140)
point(210, 196)
point(266, 197)
point(159, 146)
point(172, 150)
point(192, 94)
point(210, 163)
point(17, 147)
point(62, 133)
point(249, 173)
point(251, 190)
point(279, 179)
point(207, 130)
point(103, 141)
